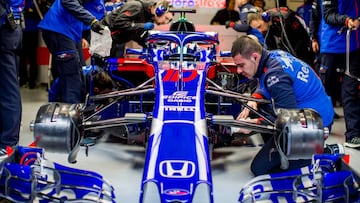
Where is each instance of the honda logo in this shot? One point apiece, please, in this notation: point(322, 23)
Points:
point(177, 169)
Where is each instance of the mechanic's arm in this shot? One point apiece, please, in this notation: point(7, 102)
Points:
point(280, 86)
point(244, 114)
point(314, 26)
point(333, 17)
point(78, 11)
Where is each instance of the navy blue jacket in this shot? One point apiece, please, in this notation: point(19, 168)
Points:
point(68, 17)
point(291, 83)
point(335, 13)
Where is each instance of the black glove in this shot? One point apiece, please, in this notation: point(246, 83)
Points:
point(97, 27)
point(229, 24)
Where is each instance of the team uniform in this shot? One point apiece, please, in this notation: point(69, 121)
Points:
point(127, 22)
point(62, 28)
point(333, 49)
point(10, 99)
point(292, 84)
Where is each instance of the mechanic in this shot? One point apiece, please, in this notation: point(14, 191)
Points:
point(10, 99)
point(289, 82)
point(340, 15)
point(133, 20)
point(283, 30)
point(62, 28)
point(332, 78)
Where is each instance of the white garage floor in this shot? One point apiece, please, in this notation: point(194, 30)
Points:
point(121, 164)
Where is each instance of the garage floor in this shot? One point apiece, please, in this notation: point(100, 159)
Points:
point(122, 165)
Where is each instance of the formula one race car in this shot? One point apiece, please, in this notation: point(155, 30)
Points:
point(178, 111)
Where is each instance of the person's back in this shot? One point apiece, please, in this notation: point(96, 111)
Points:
point(290, 84)
point(307, 88)
point(69, 22)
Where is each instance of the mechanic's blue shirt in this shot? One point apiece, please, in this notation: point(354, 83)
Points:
point(292, 84)
point(67, 17)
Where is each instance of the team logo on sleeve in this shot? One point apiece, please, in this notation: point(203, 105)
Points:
point(272, 80)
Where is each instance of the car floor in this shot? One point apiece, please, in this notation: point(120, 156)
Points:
point(122, 164)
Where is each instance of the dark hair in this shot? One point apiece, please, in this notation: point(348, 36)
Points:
point(103, 81)
point(245, 45)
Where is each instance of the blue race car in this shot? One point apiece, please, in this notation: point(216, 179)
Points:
point(178, 112)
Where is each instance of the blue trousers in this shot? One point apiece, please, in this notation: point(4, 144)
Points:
point(10, 99)
point(68, 66)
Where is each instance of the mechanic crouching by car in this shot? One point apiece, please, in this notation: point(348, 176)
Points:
point(133, 20)
point(290, 83)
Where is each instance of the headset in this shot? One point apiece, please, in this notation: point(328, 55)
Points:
point(161, 9)
point(281, 12)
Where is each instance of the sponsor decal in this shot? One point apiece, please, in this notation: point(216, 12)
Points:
point(177, 192)
point(177, 168)
point(173, 75)
point(179, 96)
point(179, 108)
point(272, 81)
point(199, 3)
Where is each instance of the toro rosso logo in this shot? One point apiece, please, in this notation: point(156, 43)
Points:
point(177, 169)
point(179, 96)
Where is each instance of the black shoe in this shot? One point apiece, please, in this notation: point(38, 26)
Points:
point(353, 143)
point(334, 149)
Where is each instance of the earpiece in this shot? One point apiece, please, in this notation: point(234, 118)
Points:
point(161, 9)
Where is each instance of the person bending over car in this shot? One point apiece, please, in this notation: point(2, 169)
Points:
point(133, 20)
point(289, 82)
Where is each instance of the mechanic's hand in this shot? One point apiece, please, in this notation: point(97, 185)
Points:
point(244, 114)
point(315, 46)
point(352, 23)
point(229, 24)
point(149, 26)
point(84, 43)
point(97, 27)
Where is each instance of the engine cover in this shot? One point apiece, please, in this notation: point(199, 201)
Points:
point(56, 127)
point(301, 133)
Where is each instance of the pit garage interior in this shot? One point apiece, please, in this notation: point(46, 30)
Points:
point(122, 165)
